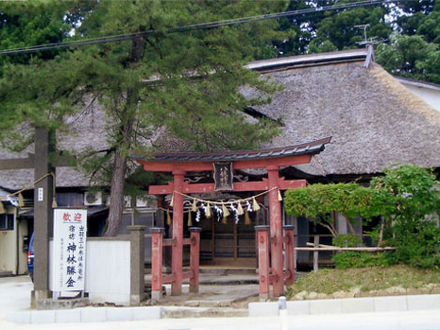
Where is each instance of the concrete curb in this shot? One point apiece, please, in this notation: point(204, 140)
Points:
point(86, 314)
point(349, 305)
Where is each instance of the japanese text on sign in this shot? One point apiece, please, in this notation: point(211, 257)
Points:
point(70, 231)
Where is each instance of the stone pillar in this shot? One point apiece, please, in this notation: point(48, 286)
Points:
point(137, 257)
point(263, 260)
point(194, 259)
point(276, 234)
point(177, 232)
point(156, 263)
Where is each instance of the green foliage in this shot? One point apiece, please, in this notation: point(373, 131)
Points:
point(406, 193)
point(416, 58)
point(375, 235)
point(27, 93)
point(187, 85)
point(406, 198)
point(417, 243)
point(412, 199)
point(347, 240)
point(31, 23)
point(320, 199)
point(340, 28)
point(200, 71)
point(354, 259)
point(415, 51)
point(138, 181)
point(317, 46)
point(411, 57)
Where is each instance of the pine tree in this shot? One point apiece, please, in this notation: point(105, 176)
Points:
point(186, 83)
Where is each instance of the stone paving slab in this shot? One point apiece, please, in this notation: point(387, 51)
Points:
point(195, 312)
point(88, 314)
point(211, 295)
point(349, 305)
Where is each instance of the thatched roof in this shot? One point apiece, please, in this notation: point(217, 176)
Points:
point(374, 120)
point(86, 130)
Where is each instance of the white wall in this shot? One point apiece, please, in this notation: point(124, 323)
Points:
point(107, 272)
point(8, 247)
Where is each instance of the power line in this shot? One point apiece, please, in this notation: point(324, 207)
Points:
point(191, 27)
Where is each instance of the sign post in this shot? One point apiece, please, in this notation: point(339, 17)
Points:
point(70, 232)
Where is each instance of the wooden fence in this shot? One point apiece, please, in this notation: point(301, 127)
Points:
point(315, 247)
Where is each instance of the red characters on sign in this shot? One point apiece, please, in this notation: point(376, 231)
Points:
point(77, 217)
point(66, 217)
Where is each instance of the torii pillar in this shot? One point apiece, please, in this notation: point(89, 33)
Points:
point(177, 233)
point(276, 234)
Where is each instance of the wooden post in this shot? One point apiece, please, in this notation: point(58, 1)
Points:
point(177, 247)
point(213, 241)
point(315, 253)
point(289, 247)
point(194, 259)
point(43, 215)
point(263, 260)
point(156, 263)
point(276, 235)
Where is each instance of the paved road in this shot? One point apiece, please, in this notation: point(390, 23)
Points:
point(15, 293)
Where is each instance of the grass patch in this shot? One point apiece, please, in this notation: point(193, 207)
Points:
point(369, 279)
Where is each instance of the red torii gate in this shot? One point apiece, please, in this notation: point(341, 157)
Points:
point(270, 159)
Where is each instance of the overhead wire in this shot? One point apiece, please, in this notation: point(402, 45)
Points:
point(191, 27)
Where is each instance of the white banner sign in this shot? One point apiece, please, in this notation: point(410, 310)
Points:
point(69, 238)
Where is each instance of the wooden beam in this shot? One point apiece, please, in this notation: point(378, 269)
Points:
point(158, 166)
point(29, 162)
point(335, 248)
point(194, 188)
point(18, 163)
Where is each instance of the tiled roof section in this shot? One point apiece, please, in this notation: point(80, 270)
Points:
point(310, 148)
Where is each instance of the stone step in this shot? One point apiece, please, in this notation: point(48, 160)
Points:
point(227, 271)
point(5, 273)
point(187, 312)
point(230, 279)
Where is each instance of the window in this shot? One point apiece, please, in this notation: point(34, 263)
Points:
point(6, 222)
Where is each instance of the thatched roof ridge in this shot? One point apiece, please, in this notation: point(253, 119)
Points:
point(309, 60)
